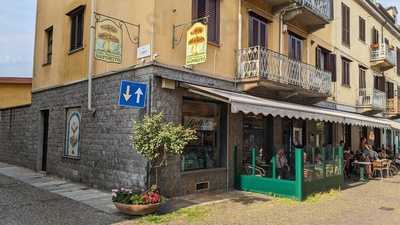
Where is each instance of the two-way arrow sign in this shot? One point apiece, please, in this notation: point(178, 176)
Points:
point(128, 89)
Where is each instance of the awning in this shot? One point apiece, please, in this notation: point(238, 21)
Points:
point(250, 104)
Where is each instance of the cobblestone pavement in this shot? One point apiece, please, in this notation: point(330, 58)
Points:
point(22, 204)
point(373, 203)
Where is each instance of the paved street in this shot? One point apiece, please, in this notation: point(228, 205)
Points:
point(22, 204)
point(373, 203)
point(29, 198)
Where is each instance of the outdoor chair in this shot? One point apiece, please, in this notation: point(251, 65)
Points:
point(379, 166)
point(259, 171)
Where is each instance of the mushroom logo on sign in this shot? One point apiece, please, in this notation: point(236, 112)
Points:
point(196, 44)
point(108, 42)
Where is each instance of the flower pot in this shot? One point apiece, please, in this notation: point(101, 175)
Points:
point(137, 210)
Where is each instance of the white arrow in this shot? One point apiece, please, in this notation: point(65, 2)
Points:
point(138, 94)
point(127, 94)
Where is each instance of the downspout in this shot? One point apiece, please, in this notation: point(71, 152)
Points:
point(239, 44)
point(91, 51)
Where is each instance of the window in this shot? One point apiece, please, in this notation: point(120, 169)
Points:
point(345, 72)
point(76, 35)
point(295, 47)
point(389, 90)
point(49, 45)
point(345, 25)
point(326, 61)
point(258, 33)
point(387, 43)
point(362, 29)
point(205, 152)
point(375, 36)
point(362, 81)
point(210, 8)
point(398, 60)
point(379, 83)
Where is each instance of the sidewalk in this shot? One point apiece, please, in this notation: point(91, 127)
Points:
point(102, 200)
point(97, 199)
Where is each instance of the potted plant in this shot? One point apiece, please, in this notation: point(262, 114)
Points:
point(155, 139)
point(135, 204)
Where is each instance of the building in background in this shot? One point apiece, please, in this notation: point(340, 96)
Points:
point(268, 75)
point(15, 91)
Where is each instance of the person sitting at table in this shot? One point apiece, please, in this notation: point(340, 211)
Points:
point(282, 166)
point(348, 159)
point(368, 168)
point(382, 154)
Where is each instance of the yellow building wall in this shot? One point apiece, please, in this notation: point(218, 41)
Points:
point(67, 67)
point(12, 95)
point(157, 18)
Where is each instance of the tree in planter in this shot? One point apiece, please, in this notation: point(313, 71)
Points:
point(154, 138)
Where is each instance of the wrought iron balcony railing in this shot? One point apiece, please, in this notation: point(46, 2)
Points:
point(383, 52)
point(390, 106)
point(322, 8)
point(372, 98)
point(259, 62)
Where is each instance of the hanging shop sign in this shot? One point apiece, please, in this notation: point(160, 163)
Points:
point(196, 44)
point(73, 132)
point(108, 42)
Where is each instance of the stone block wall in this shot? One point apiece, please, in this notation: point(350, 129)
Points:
point(15, 137)
point(107, 157)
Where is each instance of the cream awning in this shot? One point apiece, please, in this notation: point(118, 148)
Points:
point(250, 104)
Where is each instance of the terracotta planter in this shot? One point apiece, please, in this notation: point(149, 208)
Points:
point(137, 210)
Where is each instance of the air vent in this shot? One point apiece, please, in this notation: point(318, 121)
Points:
point(203, 186)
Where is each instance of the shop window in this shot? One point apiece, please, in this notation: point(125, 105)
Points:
point(205, 152)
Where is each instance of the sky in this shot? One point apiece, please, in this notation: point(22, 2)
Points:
point(17, 36)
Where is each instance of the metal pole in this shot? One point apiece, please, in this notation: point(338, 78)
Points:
point(91, 51)
point(253, 161)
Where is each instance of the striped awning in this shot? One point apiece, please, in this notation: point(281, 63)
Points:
point(250, 104)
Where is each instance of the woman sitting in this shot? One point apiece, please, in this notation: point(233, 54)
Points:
point(282, 166)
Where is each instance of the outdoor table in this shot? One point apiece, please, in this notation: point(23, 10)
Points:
point(362, 166)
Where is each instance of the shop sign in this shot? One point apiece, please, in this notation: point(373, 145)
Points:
point(196, 44)
point(108, 42)
point(73, 132)
point(200, 123)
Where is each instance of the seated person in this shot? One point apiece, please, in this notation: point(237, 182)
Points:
point(382, 154)
point(282, 166)
point(348, 159)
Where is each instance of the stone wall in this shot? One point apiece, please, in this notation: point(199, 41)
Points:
point(107, 158)
point(15, 137)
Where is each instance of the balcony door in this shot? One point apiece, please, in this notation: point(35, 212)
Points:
point(295, 47)
point(258, 33)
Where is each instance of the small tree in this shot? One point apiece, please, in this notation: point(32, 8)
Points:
point(155, 139)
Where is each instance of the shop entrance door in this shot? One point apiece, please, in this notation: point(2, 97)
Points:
point(45, 136)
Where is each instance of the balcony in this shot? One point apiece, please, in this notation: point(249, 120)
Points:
point(265, 70)
point(310, 14)
point(393, 107)
point(371, 101)
point(382, 57)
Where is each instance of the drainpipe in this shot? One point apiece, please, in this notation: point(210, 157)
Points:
point(239, 44)
point(91, 52)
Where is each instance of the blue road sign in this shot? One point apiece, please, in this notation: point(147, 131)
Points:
point(132, 94)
